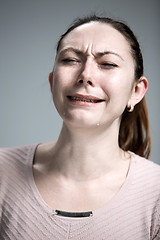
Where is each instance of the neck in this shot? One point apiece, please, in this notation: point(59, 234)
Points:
point(87, 154)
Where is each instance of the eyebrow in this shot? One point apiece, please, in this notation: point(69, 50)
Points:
point(101, 54)
point(98, 54)
point(70, 49)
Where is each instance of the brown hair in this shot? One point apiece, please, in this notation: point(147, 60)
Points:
point(134, 133)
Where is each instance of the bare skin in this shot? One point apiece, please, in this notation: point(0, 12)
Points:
point(85, 168)
point(70, 178)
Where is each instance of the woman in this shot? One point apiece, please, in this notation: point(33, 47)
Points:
point(94, 181)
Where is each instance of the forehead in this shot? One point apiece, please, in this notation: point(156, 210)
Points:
point(96, 37)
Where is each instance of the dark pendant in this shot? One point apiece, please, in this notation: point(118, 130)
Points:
point(73, 214)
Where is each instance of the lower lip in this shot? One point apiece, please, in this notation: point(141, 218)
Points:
point(82, 103)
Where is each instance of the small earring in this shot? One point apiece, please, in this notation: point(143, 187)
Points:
point(130, 108)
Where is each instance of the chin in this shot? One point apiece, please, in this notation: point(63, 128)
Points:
point(80, 122)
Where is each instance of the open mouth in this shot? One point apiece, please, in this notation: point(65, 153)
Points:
point(85, 99)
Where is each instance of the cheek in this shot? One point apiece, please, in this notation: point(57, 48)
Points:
point(58, 82)
point(57, 96)
point(56, 88)
point(62, 77)
point(60, 86)
point(117, 87)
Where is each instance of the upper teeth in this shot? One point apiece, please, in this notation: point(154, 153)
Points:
point(83, 99)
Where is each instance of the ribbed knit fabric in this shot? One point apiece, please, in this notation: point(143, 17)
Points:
point(132, 214)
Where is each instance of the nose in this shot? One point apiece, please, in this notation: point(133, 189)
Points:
point(86, 75)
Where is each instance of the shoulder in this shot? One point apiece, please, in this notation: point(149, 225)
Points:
point(13, 158)
point(147, 175)
point(147, 179)
point(16, 153)
point(146, 165)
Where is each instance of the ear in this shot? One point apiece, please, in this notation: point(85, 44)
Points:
point(138, 92)
point(51, 80)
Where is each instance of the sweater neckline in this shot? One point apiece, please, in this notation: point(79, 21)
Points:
point(100, 211)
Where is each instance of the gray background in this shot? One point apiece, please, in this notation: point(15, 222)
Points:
point(29, 31)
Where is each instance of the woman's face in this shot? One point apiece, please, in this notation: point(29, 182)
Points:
point(93, 76)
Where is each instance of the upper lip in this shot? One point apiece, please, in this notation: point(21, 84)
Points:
point(90, 97)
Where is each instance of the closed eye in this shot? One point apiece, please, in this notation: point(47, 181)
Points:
point(70, 60)
point(109, 65)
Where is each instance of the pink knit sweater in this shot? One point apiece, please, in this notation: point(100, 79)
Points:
point(133, 214)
